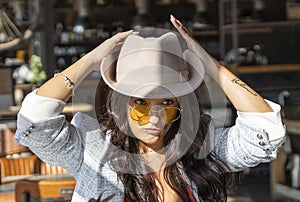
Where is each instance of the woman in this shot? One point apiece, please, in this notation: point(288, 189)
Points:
point(153, 142)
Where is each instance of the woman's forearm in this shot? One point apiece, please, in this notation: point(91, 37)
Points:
point(57, 88)
point(242, 96)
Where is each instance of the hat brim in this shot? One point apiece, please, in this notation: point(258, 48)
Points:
point(151, 90)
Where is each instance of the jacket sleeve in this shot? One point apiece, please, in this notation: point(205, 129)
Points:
point(56, 141)
point(255, 138)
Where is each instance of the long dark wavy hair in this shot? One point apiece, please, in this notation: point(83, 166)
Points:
point(209, 175)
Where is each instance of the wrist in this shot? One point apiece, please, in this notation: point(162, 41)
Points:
point(92, 62)
point(87, 61)
point(84, 66)
point(213, 68)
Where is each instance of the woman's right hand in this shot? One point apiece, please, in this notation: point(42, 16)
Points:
point(110, 45)
point(81, 68)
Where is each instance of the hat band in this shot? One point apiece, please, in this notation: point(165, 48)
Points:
point(160, 79)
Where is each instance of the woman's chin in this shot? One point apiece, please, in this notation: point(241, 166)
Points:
point(152, 141)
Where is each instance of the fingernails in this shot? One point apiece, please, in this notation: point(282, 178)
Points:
point(129, 31)
point(173, 18)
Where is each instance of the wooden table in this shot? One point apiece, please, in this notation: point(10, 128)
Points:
point(70, 108)
point(38, 187)
point(7, 192)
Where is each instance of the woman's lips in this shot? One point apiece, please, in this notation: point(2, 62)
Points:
point(152, 131)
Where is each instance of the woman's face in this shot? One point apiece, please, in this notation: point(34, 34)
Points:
point(150, 119)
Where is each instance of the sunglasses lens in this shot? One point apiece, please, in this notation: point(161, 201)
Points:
point(139, 112)
point(172, 114)
point(144, 120)
point(142, 114)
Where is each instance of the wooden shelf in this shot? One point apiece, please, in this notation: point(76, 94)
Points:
point(274, 24)
point(204, 32)
point(266, 68)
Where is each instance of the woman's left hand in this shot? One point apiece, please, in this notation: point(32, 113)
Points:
point(194, 46)
point(242, 96)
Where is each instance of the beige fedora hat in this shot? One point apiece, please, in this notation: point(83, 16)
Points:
point(152, 67)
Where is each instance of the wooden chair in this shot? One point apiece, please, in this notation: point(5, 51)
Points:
point(8, 146)
point(19, 166)
point(44, 190)
point(26, 166)
point(49, 169)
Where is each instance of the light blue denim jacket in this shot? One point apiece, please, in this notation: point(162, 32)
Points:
point(81, 148)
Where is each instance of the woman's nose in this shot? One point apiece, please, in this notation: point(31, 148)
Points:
point(154, 114)
point(154, 119)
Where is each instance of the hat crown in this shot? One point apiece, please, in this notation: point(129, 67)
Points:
point(151, 60)
point(167, 42)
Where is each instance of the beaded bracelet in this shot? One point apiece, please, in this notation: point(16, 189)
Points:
point(68, 82)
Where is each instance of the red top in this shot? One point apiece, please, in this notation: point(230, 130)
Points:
point(190, 193)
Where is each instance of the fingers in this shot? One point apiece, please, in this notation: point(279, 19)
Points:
point(175, 22)
point(117, 46)
point(121, 36)
point(118, 39)
point(180, 27)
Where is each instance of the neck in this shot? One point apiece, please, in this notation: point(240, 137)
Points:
point(157, 146)
point(155, 160)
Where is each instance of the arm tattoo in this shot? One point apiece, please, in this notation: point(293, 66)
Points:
point(243, 85)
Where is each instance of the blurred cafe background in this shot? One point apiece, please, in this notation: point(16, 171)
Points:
point(259, 40)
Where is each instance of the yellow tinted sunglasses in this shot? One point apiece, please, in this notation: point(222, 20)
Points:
point(142, 114)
